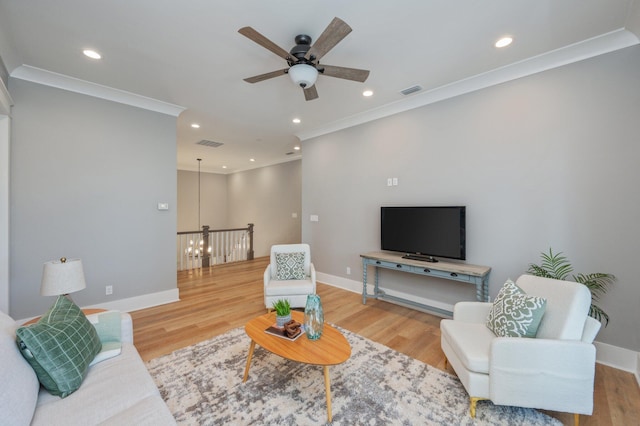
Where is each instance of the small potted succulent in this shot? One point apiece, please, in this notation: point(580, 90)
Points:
point(283, 312)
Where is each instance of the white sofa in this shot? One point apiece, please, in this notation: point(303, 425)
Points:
point(117, 391)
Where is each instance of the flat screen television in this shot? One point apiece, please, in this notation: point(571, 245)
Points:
point(424, 233)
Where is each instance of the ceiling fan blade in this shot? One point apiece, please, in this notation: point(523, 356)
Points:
point(310, 93)
point(266, 76)
point(332, 35)
point(255, 36)
point(346, 73)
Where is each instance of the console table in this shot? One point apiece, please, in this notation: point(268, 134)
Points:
point(471, 274)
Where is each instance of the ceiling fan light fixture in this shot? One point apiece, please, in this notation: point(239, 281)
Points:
point(303, 75)
point(303, 59)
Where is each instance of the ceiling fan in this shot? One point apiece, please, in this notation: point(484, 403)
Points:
point(304, 58)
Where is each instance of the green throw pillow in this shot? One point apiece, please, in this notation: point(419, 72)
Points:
point(108, 327)
point(290, 266)
point(60, 347)
point(514, 313)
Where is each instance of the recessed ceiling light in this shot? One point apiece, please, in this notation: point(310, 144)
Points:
point(195, 125)
point(296, 120)
point(504, 41)
point(297, 148)
point(91, 54)
point(367, 93)
point(224, 167)
point(252, 159)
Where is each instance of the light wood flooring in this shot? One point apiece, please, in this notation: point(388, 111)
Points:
point(218, 299)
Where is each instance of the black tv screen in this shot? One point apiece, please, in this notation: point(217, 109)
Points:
point(424, 232)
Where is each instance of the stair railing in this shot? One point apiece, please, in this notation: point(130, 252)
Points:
point(201, 249)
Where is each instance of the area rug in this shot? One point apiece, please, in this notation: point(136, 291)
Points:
point(202, 385)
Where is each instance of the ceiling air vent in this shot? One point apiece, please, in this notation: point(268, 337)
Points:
point(410, 90)
point(210, 144)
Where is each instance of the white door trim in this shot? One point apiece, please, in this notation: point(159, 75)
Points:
point(5, 131)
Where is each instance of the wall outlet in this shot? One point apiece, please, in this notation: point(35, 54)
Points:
point(108, 290)
point(348, 270)
point(313, 218)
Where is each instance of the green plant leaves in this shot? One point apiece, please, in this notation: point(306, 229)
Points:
point(558, 267)
point(282, 307)
point(598, 283)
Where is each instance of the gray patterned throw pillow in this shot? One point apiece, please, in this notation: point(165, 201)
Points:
point(514, 313)
point(290, 266)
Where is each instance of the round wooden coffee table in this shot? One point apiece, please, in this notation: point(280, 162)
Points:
point(331, 349)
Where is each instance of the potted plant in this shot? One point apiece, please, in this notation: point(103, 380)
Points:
point(283, 312)
point(558, 267)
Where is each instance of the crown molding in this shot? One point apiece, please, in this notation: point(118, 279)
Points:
point(5, 100)
point(586, 49)
point(191, 168)
point(60, 81)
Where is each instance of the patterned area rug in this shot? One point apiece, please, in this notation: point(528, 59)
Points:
point(202, 385)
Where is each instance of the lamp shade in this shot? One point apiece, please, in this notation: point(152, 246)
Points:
point(303, 75)
point(62, 277)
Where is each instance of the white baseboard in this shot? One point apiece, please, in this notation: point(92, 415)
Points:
point(620, 358)
point(612, 356)
point(140, 302)
point(356, 287)
point(638, 370)
point(343, 283)
point(132, 303)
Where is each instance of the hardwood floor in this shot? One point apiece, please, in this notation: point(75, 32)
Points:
point(224, 297)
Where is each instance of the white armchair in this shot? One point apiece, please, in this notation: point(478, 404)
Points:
point(553, 371)
point(290, 275)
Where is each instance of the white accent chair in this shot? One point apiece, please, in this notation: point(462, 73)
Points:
point(296, 291)
point(553, 371)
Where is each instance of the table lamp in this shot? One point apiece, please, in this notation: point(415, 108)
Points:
point(62, 277)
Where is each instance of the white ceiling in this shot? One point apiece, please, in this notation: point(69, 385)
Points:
point(189, 53)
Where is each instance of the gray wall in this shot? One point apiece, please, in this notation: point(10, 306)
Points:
point(267, 197)
point(213, 200)
point(550, 160)
point(86, 177)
